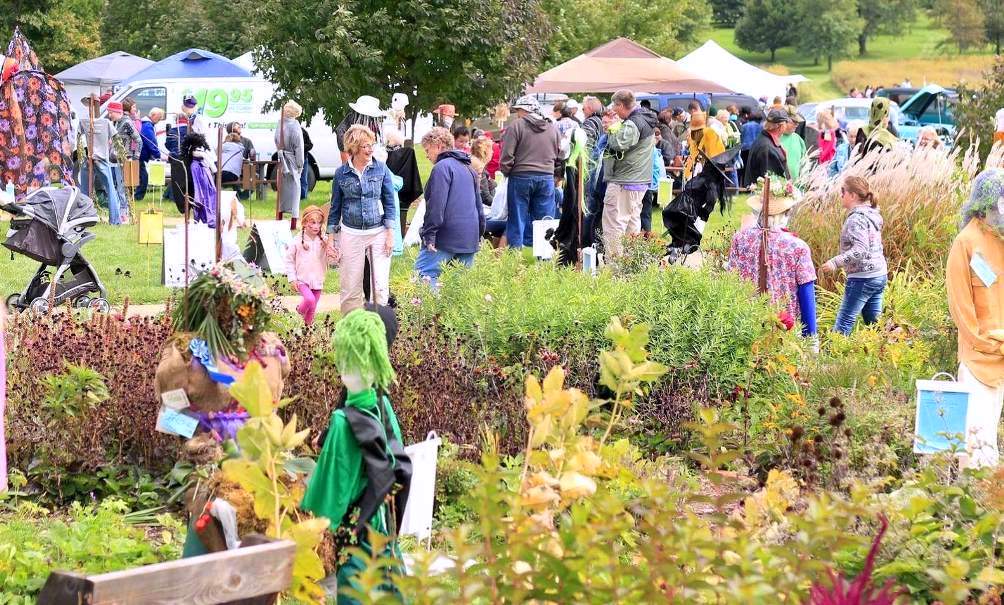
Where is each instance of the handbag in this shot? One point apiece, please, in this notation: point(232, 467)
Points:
point(942, 410)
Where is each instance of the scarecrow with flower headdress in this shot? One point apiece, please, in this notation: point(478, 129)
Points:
point(975, 276)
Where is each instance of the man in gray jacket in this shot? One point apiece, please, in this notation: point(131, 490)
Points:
point(530, 147)
point(96, 137)
point(627, 168)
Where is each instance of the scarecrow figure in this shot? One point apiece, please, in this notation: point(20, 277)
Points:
point(363, 474)
point(975, 277)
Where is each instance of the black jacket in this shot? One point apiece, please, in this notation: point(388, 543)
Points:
point(403, 163)
point(766, 157)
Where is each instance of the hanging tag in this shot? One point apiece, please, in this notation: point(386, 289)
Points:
point(979, 265)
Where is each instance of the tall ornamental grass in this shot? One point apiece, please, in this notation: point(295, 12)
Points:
point(919, 193)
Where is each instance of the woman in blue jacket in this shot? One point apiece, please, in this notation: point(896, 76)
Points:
point(454, 217)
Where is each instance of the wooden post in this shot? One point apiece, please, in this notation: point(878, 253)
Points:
point(90, 147)
point(581, 197)
point(219, 187)
point(765, 224)
point(278, 170)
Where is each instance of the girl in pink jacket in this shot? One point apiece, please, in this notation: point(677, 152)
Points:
point(307, 261)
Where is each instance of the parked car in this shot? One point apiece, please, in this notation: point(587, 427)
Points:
point(930, 106)
point(897, 94)
point(717, 101)
point(850, 109)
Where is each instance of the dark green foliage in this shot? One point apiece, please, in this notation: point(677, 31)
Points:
point(978, 103)
point(61, 32)
point(884, 17)
point(826, 29)
point(726, 13)
point(153, 29)
point(766, 26)
point(325, 53)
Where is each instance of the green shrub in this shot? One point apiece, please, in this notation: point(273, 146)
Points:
point(90, 539)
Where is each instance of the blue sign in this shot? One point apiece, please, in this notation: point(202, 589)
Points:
point(941, 418)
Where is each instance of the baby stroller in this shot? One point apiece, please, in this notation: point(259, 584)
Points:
point(695, 203)
point(50, 226)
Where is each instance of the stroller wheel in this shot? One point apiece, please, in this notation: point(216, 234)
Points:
point(39, 306)
point(12, 301)
point(82, 302)
point(99, 305)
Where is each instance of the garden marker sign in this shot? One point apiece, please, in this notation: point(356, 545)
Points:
point(942, 407)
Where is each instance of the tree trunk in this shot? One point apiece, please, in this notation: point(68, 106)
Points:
point(862, 44)
point(997, 44)
point(829, 63)
point(815, 60)
point(773, 52)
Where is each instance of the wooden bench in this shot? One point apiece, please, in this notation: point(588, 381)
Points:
point(253, 574)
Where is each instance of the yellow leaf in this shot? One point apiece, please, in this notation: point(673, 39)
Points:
point(252, 392)
point(576, 485)
point(554, 381)
point(541, 431)
point(991, 576)
point(533, 392)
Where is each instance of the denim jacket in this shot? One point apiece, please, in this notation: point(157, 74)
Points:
point(361, 203)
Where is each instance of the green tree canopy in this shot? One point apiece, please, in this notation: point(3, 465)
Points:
point(62, 32)
point(826, 28)
point(726, 13)
point(471, 53)
point(993, 14)
point(156, 29)
point(669, 27)
point(766, 25)
point(965, 22)
point(883, 17)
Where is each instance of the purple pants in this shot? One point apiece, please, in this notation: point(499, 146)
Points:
point(308, 305)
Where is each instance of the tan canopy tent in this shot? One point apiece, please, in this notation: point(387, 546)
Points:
point(622, 63)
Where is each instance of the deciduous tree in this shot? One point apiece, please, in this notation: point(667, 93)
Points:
point(471, 53)
point(993, 14)
point(669, 27)
point(826, 28)
point(883, 17)
point(62, 32)
point(766, 25)
point(156, 29)
point(965, 22)
point(726, 13)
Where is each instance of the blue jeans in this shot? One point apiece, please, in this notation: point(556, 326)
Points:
point(530, 198)
point(303, 181)
point(120, 189)
point(102, 179)
point(144, 181)
point(862, 296)
point(429, 264)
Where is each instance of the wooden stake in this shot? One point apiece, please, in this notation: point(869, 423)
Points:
point(278, 171)
point(581, 196)
point(764, 223)
point(90, 147)
point(219, 187)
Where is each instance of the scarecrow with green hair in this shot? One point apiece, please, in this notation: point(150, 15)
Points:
point(363, 475)
point(876, 134)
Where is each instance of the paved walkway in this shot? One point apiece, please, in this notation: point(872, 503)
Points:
point(328, 303)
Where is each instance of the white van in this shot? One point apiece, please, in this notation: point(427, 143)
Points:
point(225, 100)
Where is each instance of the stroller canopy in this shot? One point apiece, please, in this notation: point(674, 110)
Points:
point(60, 209)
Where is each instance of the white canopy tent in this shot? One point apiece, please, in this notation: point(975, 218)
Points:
point(715, 63)
point(99, 75)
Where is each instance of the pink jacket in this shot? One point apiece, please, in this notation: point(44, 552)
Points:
point(308, 266)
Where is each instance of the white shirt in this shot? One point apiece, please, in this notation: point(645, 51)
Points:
point(999, 120)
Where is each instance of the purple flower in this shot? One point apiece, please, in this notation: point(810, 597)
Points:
point(19, 93)
point(31, 132)
point(49, 107)
point(14, 163)
point(4, 125)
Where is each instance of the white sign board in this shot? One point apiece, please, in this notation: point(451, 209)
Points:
point(417, 519)
point(201, 252)
point(275, 237)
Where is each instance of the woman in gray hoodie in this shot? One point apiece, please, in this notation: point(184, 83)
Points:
point(861, 256)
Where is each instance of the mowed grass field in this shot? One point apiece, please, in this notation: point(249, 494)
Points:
point(133, 271)
point(914, 53)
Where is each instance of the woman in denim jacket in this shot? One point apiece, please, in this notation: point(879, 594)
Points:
point(362, 219)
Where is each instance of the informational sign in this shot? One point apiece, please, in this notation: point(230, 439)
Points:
point(942, 408)
point(267, 245)
point(172, 418)
point(201, 252)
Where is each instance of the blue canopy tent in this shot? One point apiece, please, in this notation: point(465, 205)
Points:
point(191, 63)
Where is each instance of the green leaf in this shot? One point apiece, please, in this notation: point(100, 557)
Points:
point(252, 391)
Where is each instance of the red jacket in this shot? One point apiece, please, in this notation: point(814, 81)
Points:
point(493, 164)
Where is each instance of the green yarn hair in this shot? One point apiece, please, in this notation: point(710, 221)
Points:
point(360, 343)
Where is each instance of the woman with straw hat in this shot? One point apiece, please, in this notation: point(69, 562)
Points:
point(704, 143)
point(791, 275)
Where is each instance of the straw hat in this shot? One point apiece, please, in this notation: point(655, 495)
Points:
point(778, 205)
point(698, 120)
point(312, 209)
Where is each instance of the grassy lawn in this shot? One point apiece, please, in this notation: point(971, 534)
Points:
point(914, 52)
point(116, 251)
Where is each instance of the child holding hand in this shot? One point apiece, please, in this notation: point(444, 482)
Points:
point(307, 261)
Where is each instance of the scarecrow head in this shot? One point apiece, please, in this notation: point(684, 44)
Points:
point(878, 114)
point(360, 344)
point(986, 201)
